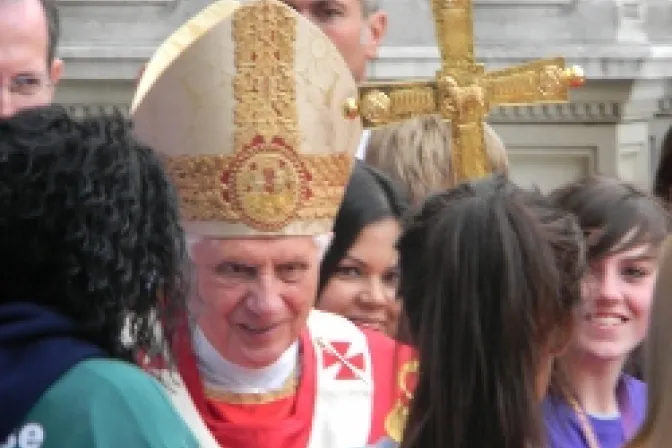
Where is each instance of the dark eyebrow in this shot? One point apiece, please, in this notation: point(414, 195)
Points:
point(355, 259)
point(291, 260)
point(26, 75)
point(649, 256)
point(326, 3)
point(235, 262)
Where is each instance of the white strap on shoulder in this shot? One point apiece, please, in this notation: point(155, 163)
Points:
point(344, 401)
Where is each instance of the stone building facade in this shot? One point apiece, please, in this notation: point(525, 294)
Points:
point(613, 125)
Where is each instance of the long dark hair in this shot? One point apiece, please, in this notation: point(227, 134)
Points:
point(89, 226)
point(490, 273)
point(369, 197)
point(616, 209)
point(662, 183)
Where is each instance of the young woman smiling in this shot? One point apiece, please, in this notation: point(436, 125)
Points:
point(592, 403)
point(359, 275)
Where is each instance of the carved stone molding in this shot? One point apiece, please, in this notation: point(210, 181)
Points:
point(117, 3)
point(598, 61)
point(593, 112)
point(575, 112)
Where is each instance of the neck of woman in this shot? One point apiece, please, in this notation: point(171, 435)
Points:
point(594, 382)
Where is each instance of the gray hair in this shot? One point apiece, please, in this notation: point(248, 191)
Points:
point(370, 6)
point(322, 242)
point(53, 28)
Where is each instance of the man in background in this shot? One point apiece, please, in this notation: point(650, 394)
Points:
point(356, 28)
point(29, 68)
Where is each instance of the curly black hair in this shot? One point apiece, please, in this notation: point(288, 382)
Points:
point(90, 227)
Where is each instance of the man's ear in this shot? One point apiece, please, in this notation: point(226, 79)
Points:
point(376, 28)
point(56, 71)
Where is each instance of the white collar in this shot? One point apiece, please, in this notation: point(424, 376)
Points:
point(363, 143)
point(223, 374)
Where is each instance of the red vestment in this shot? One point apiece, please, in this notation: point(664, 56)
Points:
point(346, 375)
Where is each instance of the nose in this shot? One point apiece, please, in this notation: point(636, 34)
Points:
point(266, 297)
point(376, 295)
point(606, 285)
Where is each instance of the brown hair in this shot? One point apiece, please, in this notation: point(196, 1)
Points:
point(480, 343)
point(654, 431)
point(662, 184)
point(416, 153)
point(618, 210)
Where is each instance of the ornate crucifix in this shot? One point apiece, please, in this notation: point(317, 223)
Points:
point(462, 91)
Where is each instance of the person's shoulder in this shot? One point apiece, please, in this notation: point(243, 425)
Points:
point(98, 391)
point(634, 384)
point(636, 390)
point(101, 378)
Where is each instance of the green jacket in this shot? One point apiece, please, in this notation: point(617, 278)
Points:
point(103, 403)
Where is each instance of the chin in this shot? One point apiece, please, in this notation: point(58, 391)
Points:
point(258, 358)
point(607, 351)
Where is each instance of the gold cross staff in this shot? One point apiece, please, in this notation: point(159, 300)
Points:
point(462, 91)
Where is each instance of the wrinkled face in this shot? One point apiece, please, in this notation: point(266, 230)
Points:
point(254, 295)
point(26, 80)
point(357, 37)
point(617, 292)
point(364, 286)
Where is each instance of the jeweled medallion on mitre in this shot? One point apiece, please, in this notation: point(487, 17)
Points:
point(259, 143)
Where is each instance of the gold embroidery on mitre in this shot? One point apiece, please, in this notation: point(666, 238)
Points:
point(216, 188)
point(266, 183)
point(395, 422)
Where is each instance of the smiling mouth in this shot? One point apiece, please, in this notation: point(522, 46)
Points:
point(606, 320)
point(256, 330)
point(369, 324)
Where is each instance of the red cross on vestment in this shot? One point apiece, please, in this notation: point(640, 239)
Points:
point(344, 372)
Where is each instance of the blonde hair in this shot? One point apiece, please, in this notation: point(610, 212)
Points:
point(655, 431)
point(416, 153)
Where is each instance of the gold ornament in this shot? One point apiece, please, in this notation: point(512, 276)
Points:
point(462, 91)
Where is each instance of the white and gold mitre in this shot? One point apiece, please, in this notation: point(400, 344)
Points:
point(247, 101)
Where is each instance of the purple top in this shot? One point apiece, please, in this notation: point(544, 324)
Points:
point(564, 430)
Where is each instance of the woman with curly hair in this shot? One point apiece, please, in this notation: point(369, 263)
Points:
point(90, 240)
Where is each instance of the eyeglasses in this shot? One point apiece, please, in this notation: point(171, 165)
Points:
point(26, 85)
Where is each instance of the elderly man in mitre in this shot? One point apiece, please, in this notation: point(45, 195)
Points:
point(247, 103)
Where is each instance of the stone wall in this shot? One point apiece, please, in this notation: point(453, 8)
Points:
point(613, 125)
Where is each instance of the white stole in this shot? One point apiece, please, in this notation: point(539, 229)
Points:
point(343, 407)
